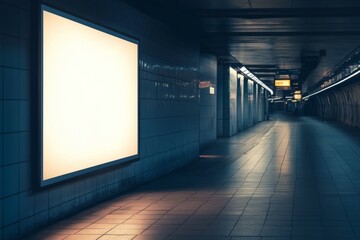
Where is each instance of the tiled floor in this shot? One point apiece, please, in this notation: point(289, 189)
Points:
point(289, 178)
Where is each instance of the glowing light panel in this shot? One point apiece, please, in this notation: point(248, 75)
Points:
point(282, 83)
point(89, 96)
point(297, 96)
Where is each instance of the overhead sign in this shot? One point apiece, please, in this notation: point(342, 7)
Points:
point(297, 96)
point(204, 84)
point(282, 83)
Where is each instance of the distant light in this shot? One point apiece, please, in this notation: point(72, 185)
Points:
point(282, 83)
point(275, 98)
point(212, 90)
point(297, 96)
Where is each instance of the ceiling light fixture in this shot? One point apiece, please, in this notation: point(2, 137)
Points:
point(250, 75)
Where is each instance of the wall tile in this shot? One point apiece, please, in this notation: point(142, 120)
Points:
point(148, 89)
point(11, 52)
point(54, 197)
point(9, 20)
point(26, 177)
point(10, 180)
point(1, 117)
point(25, 147)
point(27, 224)
point(11, 83)
point(24, 20)
point(1, 214)
point(41, 201)
point(11, 148)
point(27, 204)
point(1, 48)
point(11, 231)
point(24, 54)
point(67, 207)
point(1, 151)
point(1, 185)
point(11, 209)
point(11, 115)
point(25, 87)
point(54, 213)
point(1, 74)
point(41, 218)
point(24, 114)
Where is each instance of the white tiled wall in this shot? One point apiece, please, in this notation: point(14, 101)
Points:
point(169, 113)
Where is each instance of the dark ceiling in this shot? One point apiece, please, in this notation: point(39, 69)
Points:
point(266, 35)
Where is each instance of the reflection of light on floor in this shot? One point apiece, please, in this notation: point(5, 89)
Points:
point(211, 156)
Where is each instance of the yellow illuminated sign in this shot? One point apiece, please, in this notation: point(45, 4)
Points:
point(297, 96)
point(282, 83)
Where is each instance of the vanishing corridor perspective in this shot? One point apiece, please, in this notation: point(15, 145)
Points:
point(186, 120)
point(287, 178)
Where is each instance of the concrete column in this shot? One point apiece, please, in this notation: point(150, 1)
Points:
point(240, 103)
point(230, 101)
point(220, 99)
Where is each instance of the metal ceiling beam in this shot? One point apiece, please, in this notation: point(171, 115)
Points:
point(278, 12)
point(261, 66)
point(263, 70)
point(265, 75)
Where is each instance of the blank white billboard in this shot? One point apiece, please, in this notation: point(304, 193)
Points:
point(89, 97)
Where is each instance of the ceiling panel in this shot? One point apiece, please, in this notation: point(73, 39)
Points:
point(271, 4)
point(290, 34)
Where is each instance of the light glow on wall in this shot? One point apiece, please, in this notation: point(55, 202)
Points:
point(89, 97)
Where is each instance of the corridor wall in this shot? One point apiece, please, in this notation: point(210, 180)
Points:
point(168, 107)
point(341, 104)
point(245, 109)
